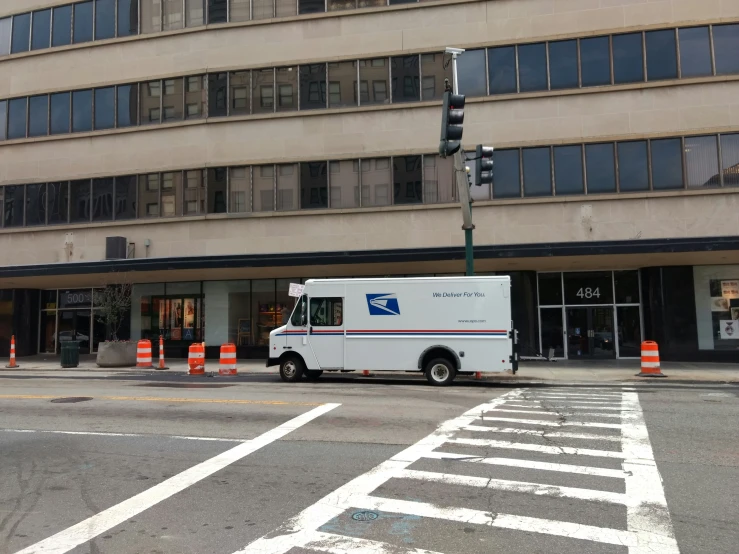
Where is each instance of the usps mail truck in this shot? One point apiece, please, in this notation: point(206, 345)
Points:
point(440, 326)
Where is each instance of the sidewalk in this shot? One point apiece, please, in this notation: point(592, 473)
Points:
point(561, 371)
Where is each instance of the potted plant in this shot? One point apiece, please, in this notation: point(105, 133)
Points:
point(113, 303)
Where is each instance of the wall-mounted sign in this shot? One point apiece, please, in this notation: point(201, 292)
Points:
point(75, 298)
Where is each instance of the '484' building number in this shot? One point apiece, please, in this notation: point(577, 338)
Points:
point(588, 292)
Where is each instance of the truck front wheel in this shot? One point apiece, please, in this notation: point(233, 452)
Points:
point(291, 369)
point(440, 372)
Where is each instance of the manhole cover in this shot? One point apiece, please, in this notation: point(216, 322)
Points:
point(71, 399)
point(184, 385)
point(364, 516)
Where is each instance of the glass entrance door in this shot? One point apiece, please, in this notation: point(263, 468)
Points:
point(590, 333)
point(75, 325)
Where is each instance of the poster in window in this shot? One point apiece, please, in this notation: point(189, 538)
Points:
point(163, 307)
point(719, 304)
point(735, 314)
point(729, 329)
point(175, 316)
point(730, 289)
point(189, 313)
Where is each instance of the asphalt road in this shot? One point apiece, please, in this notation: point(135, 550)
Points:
point(173, 464)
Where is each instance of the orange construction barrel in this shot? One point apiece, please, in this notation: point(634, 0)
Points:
point(650, 360)
point(143, 354)
point(228, 359)
point(196, 358)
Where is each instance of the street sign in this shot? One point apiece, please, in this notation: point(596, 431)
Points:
point(296, 290)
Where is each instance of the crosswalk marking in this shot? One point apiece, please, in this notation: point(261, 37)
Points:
point(648, 526)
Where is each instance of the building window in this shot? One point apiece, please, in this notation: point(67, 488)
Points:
point(82, 22)
point(633, 168)
point(287, 85)
point(502, 69)
point(172, 16)
point(285, 8)
point(217, 11)
point(150, 102)
point(102, 199)
point(217, 184)
point(435, 68)
point(408, 179)
point(628, 65)
point(313, 185)
point(263, 9)
point(695, 52)
point(264, 92)
point(151, 21)
point(38, 116)
point(701, 160)
point(35, 205)
point(312, 86)
point(17, 108)
point(14, 204)
point(667, 164)
point(342, 87)
point(406, 79)
point(344, 182)
point(125, 197)
point(20, 41)
point(194, 192)
point(568, 174)
point(311, 6)
point(264, 188)
point(148, 197)
point(3, 121)
point(105, 108)
point(287, 187)
point(470, 74)
point(506, 174)
point(537, 172)
point(600, 168)
point(41, 32)
point(104, 19)
point(60, 113)
point(81, 111)
point(58, 203)
point(532, 67)
point(217, 94)
point(240, 86)
point(730, 159)
point(128, 18)
point(61, 31)
point(81, 201)
point(173, 100)
point(438, 181)
point(563, 64)
point(595, 61)
point(5, 24)
point(239, 10)
point(171, 200)
point(661, 55)
point(127, 108)
point(239, 189)
point(726, 48)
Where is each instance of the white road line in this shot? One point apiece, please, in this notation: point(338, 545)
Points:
point(579, 396)
point(544, 423)
point(506, 485)
point(529, 464)
point(296, 532)
point(580, 404)
point(565, 406)
point(539, 433)
point(135, 435)
point(341, 544)
point(538, 448)
point(644, 484)
point(595, 414)
point(505, 521)
point(78, 534)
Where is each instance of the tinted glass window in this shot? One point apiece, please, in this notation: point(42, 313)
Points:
point(61, 33)
point(263, 90)
point(550, 289)
point(104, 19)
point(502, 69)
point(128, 17)
point(217, 190)
point(373, 81)
point(59, 113)
point(38, 116)
point(563, 64)
point(470, 73)
point(128, 105)
point(125, 197)
point(537, 176)
point(312, 86)
point(150, 102)
point(285, 8)
point(342, 84)
point(633, 170)
point(35, 204)
point(730, 159)
point(726, 48)
point(102, 199)
point(172, 15)
point(5, 25)
point(311, 6)
point(81, 110)
point(21, 33)
point(3, 121)
point(407, 174)
point(172, 99)
point(701, 161)
point(506, 174)
point(80, 203)
point(628, 65)
point(313, 185)
point(405, 74)
point(667, 164)
point(105, 108)
point(217, 11)
point(14, 204)
point(600, 168)
point(287, 88)
point(58, 202)
point(217, 94)
point(532, 67)
point(151, 21)
point(82, 22)
point(661, 55)
point(595, 61)
point(434, 71)
point(568, 177)
point(41, 36)
point(17, 118)
point(695, 52)
point(195, 15)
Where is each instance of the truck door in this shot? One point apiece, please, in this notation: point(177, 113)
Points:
point(326, 331)
point(297, 329)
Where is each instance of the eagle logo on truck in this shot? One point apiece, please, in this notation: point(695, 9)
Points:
point(383, 304)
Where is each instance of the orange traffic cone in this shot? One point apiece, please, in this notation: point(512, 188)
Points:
point(366, 373)
point(478, 375)
point(12, 363)
point(161, 353)
point(650, 360)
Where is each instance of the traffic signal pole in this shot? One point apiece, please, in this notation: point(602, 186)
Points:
point(463, 189)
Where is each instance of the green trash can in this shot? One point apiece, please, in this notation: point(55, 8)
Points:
point(70, 353)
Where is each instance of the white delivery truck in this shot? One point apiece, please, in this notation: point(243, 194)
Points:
point(442, 326)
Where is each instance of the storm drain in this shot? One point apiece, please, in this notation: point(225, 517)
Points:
point(71, 399)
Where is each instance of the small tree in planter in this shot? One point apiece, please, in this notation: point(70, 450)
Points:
point(112, 304)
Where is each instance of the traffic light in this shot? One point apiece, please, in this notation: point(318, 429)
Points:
point(484, 165)
point(452, 117)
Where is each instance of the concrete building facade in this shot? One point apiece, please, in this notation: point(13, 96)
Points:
point(238, 146)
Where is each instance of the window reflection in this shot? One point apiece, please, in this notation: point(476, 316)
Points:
point(57, 202)
point(285, 8)
point(61, 33)
point(148, 198)
point(217, 94)
point(105, 108)
point(38, 116)
point(172, 100)
point(342, 84)
point(41, 32)
point(239, 10)
point(595, 61)
point(217, 179)
point(502, 69)
point(438, 180)
point(287, 187)
point(102, 199)
point(407, 177)
point(128, 17)
point(104, 19)
point(172, 15)
point(667, 164)
point(81, 201)
point(373, 81)
point(14, 204)
point(434, 73)
point(17, 118)
point(264, 188)
point(726, 48)
point(633, 170)
point(194, 192)
point(600, 168)
point(313, 185)
point(82, 22)
point(376, 180)
point(263, 9)
point(661, 55)
point(125, 197)
point(35, 205)
point(5, 24)
point(532, 67)
point(568, 174)
point(627, 58)
point(82, 111)
point(263, 86)
point(506, 174)
point(695, 52)
point(405, 74)
point(701, 160)
point(730, 159)
point(344, 180)
point(563, 64)
point(171, 197)
point(195, 97)
point(537, 172)
point(240, 86)
point(312, 86)
point(150, 103)
point(150, 16)
point(287, 88)
point(127, 105)
point(239, 190)
point(20, 41)
point(470, 74)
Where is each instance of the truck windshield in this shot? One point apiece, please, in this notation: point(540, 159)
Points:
point(296, 318)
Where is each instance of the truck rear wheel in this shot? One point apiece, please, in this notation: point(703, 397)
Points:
point(440, 372)
point(291, 369)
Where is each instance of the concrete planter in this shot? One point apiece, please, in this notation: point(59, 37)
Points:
point(116, 354)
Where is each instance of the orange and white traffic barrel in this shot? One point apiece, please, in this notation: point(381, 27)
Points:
point(162, 365)
point(143, 354)
point(196, 358)
point(650, 360)
point(228, 359)
point(12, 363)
